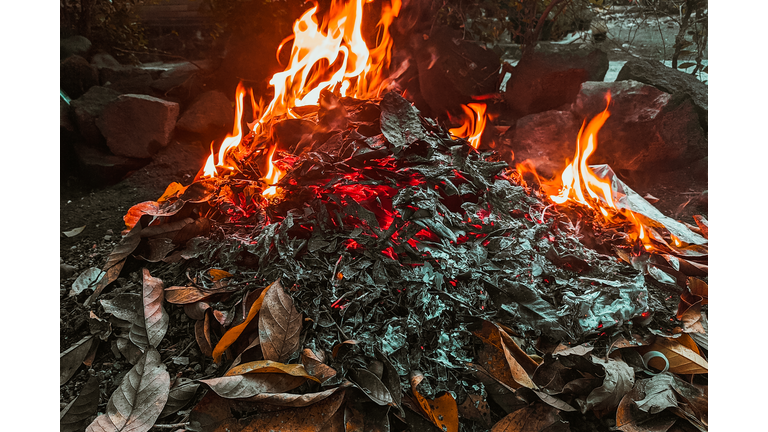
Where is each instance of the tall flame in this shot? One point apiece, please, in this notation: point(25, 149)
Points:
point(329, 56)
point(577, 177)
point(473, 124)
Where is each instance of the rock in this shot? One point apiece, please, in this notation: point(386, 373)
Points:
point(77, 76)
point(66, 124)
point(112, 74)
point(138, 84)
point(75, 45)
point(546, 81)
point(547, 140)
point(101, 168)
point(452, 70)
point(671, 81)
point(210, 114)
point(138, 126)
point(102, 60)
point(648, 130)
point(87, 108)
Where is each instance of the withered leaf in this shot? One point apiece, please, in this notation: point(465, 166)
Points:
point(391, 380)
point(128, 349)
point(71, 359)
point(269, 366)
point(232, 334)
point(87, 280)
point(73, 232)
point(475, 408)
point(535, 418)
point(701, 221)
point(372, 386)
point(196, 310)
point(77, 412)
point(400, 121)
point(125, 306)
point(189, 294)
point(315, 367)
point(442, 410)
point(682, 359)
point(215, 414)
point(203, 334)
point(497, 359)
point(155, 318)
point(658, 394)
point(279, 325)
point(629, 418)
point(245, 386)
point(139, 400)
point(619, 379)
point(115, 261)
point(99, 327)
point(182, 392)
point(296, 400)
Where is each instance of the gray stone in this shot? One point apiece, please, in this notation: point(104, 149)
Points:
point(648, 130)
point(547, 140)
point(87, 108)
point(102, 168)
point(544, 81)
point(75, 45)
point(671, 81)
point(138, 126)
point(210, 114)
point(76, 76)
point(137, 84)
point(112, 74)
point(102, 60)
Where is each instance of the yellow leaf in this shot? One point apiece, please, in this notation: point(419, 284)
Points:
point(682, 360)
point(269, 366)
point(442, 410)
point(232, 334)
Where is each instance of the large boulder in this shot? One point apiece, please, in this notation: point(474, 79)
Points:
point(671, 81)
point(138, 126)
point(453, 70)
point(137, 84)
point(77, 76)
point(101, 168)
point(547, 140)
point(75, 45)
point(546, 81)
point(87, 108)
point(648, 130)
point(210, 114)
point(102, 60)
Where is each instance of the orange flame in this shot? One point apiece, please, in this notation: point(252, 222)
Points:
point(577, 177)
point(473, 124)
point(329, 56)
point(273, 175)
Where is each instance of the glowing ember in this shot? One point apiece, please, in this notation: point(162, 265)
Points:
point(330, 56)
point(577, 177)
point(473, 124)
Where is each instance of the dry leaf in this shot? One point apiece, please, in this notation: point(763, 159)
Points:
point(85, 405)
point(71, 359)
point(203, 334)
point(339, 346)
point(87, 280)
point(189, 294)
point(372, 386)
point(215, 414)
point(245, 386)
point(315, 366)
point(232, 334)
point(254, 343)
point(139, 400)
point(269, 366)
point(442, 411)
point(475, 408)
point(279, 325)
point(129, 350)
point(534, 418)
point(619, 379)
point(682, 360)
point(115, 261)
point(73, 232)
point(701, 221)
point(150, 330)
point(217, 274)
point(498, 360)
point(195, 311)
point(173, 190)
point(296, 400)
point(391, 380)
point(182, 392)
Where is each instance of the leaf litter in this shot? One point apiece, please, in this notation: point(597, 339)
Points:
point(399, 275)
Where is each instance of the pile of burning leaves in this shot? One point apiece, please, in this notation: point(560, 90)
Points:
point(395, 279)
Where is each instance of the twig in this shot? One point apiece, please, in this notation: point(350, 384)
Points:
point(171, 426)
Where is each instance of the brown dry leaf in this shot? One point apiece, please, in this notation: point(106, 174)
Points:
point(71, 359)
point(196, 311)
point(391, 379)
point(115, 261)
point(497, 359)
point(442, 411)
point(619, 379)
point(232, 334)
point(526, 361)
point(128, 349)
point(182, 392)
point(682, 360)
point(99, 327)
point(150, 330)
point(475, 408)
point(245, 386)
point(203, 334)
point(201, 227)
point(215, 414)
point(73, 417)
point(315, 366)
point(534, 418)
point(279, 325)
point(579, 350)
point(630, 418)
point(296, 400)
point(189, 294)
point(173, 190)
point(269, 366)
point(139, 400)
point(701, 221)
point(218, 274)
point(696, 293)
point(339, 346)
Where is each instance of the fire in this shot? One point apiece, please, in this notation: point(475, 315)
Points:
point(332, 56)
point(577, 177)
point(473, 124)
